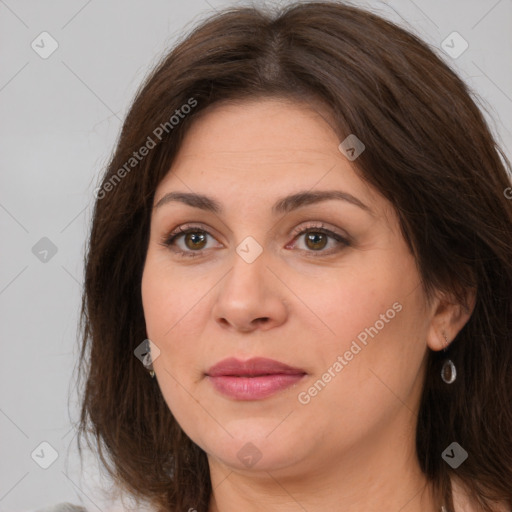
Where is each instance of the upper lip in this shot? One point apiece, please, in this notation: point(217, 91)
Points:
point(252, 367)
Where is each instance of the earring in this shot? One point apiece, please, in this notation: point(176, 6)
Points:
point(448, 371)
point(147, 361)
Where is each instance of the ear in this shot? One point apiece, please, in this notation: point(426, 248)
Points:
point(448, 317)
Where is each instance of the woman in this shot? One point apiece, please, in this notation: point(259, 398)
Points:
point(305, 225)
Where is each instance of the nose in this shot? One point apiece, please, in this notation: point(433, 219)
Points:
point(250, 297)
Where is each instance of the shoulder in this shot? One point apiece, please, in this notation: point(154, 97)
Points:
point(62, 507)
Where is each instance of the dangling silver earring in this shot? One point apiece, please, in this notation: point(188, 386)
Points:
point(448, 371)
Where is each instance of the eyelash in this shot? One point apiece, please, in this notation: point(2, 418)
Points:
point(170, 239)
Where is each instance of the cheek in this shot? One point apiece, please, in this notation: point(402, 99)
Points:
point(343, 304)
point(167, 297)
point(172, 306)
point(378, 376)
point(375, 320)
point(174, 312)
point(154, 301)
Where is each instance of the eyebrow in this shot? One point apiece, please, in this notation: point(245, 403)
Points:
point(283, 205)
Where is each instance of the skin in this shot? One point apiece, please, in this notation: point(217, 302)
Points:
point(352, 446)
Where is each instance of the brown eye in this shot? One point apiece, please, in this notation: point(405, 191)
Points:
point(316, 240)
point(319, 241)
point(195, 240)
point(188, 241)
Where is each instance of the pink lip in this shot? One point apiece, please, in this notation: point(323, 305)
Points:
point(253, 379)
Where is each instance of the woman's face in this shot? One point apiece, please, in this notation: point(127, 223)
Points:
point(324, 284)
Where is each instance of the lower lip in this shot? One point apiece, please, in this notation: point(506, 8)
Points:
point(253, 388)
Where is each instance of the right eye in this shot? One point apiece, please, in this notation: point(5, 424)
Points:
point(190, 240)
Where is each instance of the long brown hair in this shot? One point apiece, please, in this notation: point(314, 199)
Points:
point(428, 150)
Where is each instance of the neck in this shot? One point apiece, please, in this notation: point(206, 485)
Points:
point(370, 478)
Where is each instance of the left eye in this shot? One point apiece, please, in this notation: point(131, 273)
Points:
point(317, 238)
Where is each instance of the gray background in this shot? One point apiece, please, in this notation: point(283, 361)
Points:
point(60, 118)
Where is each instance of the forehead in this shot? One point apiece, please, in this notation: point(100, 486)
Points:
point(257, 146)
point(271, 124)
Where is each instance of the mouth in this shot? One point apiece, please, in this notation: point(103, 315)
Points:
point(254, 379)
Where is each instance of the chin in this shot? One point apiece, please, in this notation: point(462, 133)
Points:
point(253, 453)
